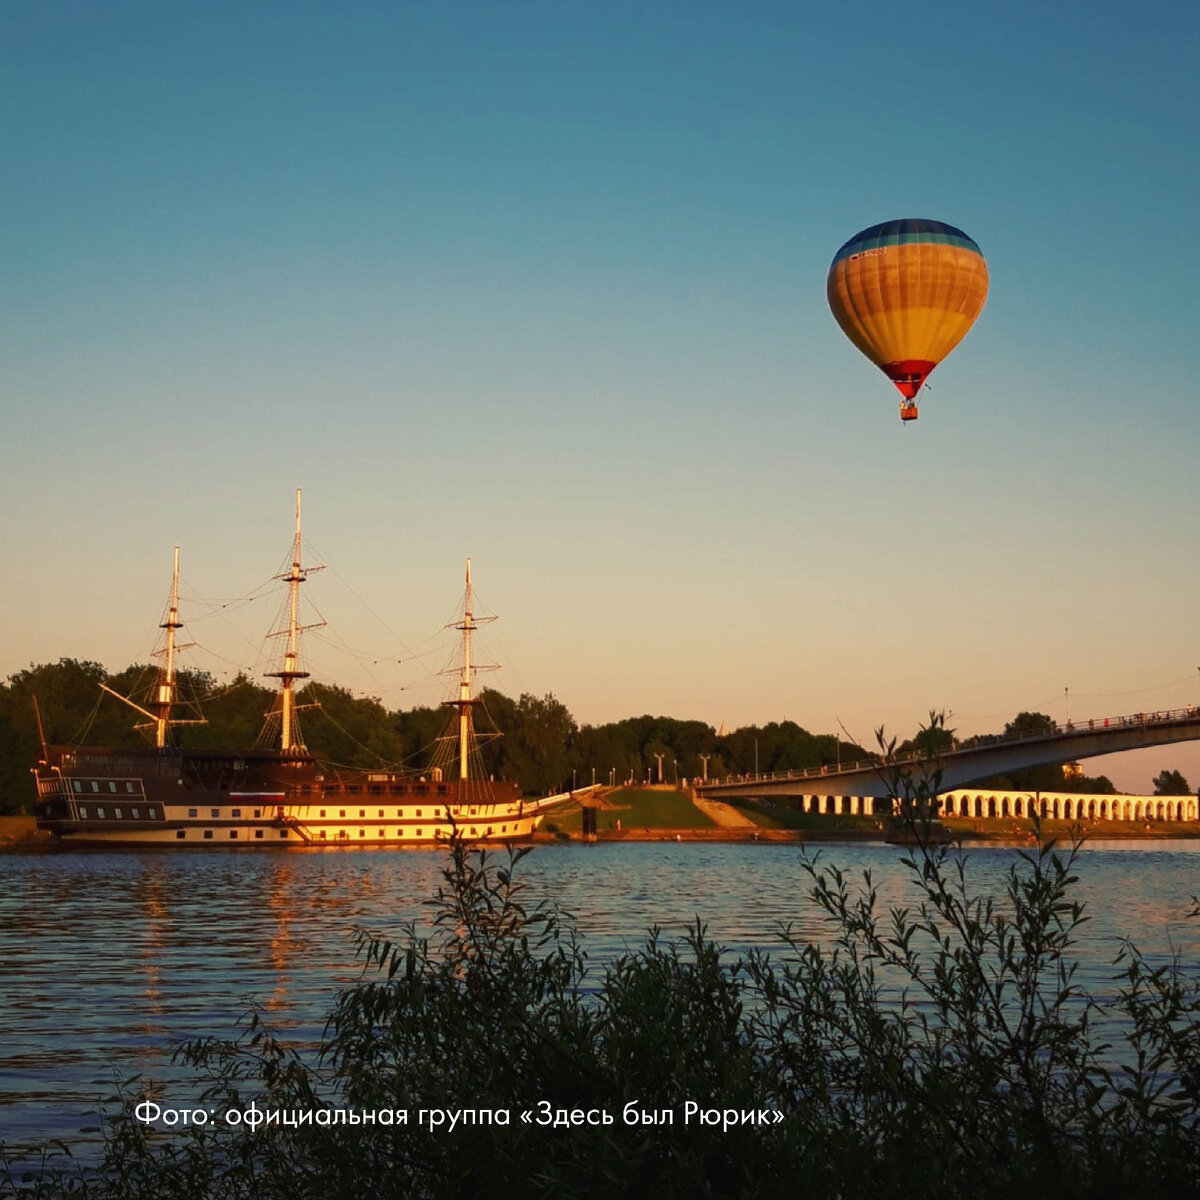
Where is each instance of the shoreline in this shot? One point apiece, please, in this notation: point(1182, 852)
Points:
point(997, 830)
point(20, 833)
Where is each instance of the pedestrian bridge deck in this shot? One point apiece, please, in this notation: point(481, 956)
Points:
point(972, 759)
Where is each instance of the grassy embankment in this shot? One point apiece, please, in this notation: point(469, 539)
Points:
point(632, 813)
point(639, 813)
point(636, 810)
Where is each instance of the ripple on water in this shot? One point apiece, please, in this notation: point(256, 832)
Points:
point(114, 959)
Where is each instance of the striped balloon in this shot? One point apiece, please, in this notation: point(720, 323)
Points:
point(905, 293)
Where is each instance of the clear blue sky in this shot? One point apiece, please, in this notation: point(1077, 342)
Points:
point(544, 284)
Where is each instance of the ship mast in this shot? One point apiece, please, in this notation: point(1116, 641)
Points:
point(465, 703)
point(464, 685)
point(160, 720)
point(166, 685)
point(289, 734)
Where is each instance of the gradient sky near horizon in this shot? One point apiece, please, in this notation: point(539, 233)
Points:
point(544, 284)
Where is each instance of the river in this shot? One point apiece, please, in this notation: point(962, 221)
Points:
point(110, 960)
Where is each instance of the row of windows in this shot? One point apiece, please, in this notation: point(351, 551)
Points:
point(181, 834)
point(215, 813)
point(135, 813)
point(377, 789)
point(362, 812)
point(130, 788)
point(362, 833)
point(382, 833)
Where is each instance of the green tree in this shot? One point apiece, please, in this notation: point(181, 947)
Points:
point(418, 730)
point(1030, 724)
point(1171, 783)
point(538, 735)
point(234, 716)
point(931, 741)
point(72, 707)
point(348, 730)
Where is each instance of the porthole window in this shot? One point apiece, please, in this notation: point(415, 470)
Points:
point(191, 812)
point(181, 834)
point(258, 833)
point(216, 812)
point(237, 812)
point(208, 833)
point(233, 833)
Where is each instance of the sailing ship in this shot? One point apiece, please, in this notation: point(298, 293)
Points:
point(165, 795)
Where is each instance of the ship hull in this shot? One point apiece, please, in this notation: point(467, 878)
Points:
point(255, 800)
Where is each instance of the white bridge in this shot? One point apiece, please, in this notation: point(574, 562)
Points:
point(968, 761)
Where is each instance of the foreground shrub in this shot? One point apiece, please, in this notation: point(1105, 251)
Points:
point(942, 1050)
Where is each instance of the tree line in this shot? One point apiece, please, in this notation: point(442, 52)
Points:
point(540, 743)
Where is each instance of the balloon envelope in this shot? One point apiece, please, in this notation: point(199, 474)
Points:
point(905, 293)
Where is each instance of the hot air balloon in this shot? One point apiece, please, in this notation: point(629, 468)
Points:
point(905, 293)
